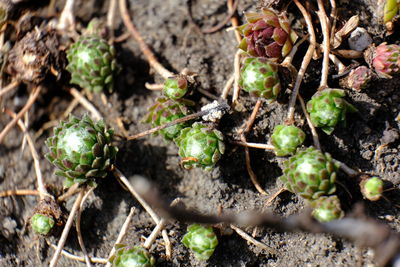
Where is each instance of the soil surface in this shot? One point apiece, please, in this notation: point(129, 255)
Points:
point(178, 44)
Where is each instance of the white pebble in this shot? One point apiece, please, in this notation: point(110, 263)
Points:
point(359, 39)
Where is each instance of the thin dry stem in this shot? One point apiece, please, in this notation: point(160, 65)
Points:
point(254, 145)
point(333, 17)
point(70, 192)
point(268, 202)
point(253, 241)
point(228, 87)
point(67, 227)
point(39, 177)
point(154, 86)
point(67, 18)
point(207, 94)
point(236, 88)
point(243, 133)
point(234, 19)
point(122, 233)
point(341, 67)
point(326, 45)
point(11, 86)
point(349, 171)
point(112, 8)
point(304, 64)
point(78, 227)
point(289, 58)
point(85, 103)
point(78, 258)
point(312, 128)
point(19, 192)
point(150, 240)
point(32, 98)
point(143, 46)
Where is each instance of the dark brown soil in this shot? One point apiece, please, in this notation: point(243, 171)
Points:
point(166, 27)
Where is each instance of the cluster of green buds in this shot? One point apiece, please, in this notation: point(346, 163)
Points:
point(286, 139)
point(200, 146)
point(92, 63)
point(310, 173)
point(131, 257)
point(327, 108)
point(166, 110)
point(259, 77)
point(372, 188)
point(42, 224)
point(266, 34)
point(81, 149)
point(327, 208)
point(201, 240)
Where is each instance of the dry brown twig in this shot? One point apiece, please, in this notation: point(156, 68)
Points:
point(236, 88)
point(121, 234)
point(19, 192)
point(78, 227)
point(143, 46)
point(304, 63)
point(85, 103)
point(11, 86)
point(310, 125)
point(32, 98)
point(77, 258)
point(253, 241)
point(67, 227)
point(326, 45)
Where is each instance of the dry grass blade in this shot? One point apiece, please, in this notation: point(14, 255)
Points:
point(67, 227)
point(143, 46)
point(85, 103)
point(326, 45)
point(32, 98)
point(310, 125)
point(19, 192)
point(253, 241)
point(78, 258)
point(121, 234)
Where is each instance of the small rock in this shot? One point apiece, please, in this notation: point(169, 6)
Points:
point(8, 228)
point(359, 39)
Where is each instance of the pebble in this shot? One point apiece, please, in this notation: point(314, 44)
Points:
point(359, 39)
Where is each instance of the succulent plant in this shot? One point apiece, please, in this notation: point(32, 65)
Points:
point(166, 110)
point(310, 173)
point(384, 59)
point(200, 146)
point(92, 63)
point(286, 139)
point(201, 240)
point(358, 78)
point(266, 34)
point(327, 109)
point(131, 257)
point(42, 224)
point(390, 10)
point(372, 188)
point(82, 150)
point(327, 209)
point(260, 78)
point(176, 87)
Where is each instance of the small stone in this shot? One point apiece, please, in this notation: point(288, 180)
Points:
point(359, 39)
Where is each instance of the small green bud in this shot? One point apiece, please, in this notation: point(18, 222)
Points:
point(260, 78)
point(327, 108)
point(92, 63)
point(200, 146)
point(42, 224)
point(201, 240)
point(327, 209)
point(372, 188)
point(176, 87)
point(131, 257)
point(286, 139)
point(310, 173)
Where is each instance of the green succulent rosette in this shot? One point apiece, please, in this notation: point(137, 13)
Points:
point(42, 224)
point(200, 146)
point(286, 139)
point(327, 209)
point(310, 173)
point(92, 63)
point(131, 257)
point(166, 110)
point(259, 77)
point(176, 87)
point(327, 108)
point(201, 240)
point(81, 150)
point(372, 188)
